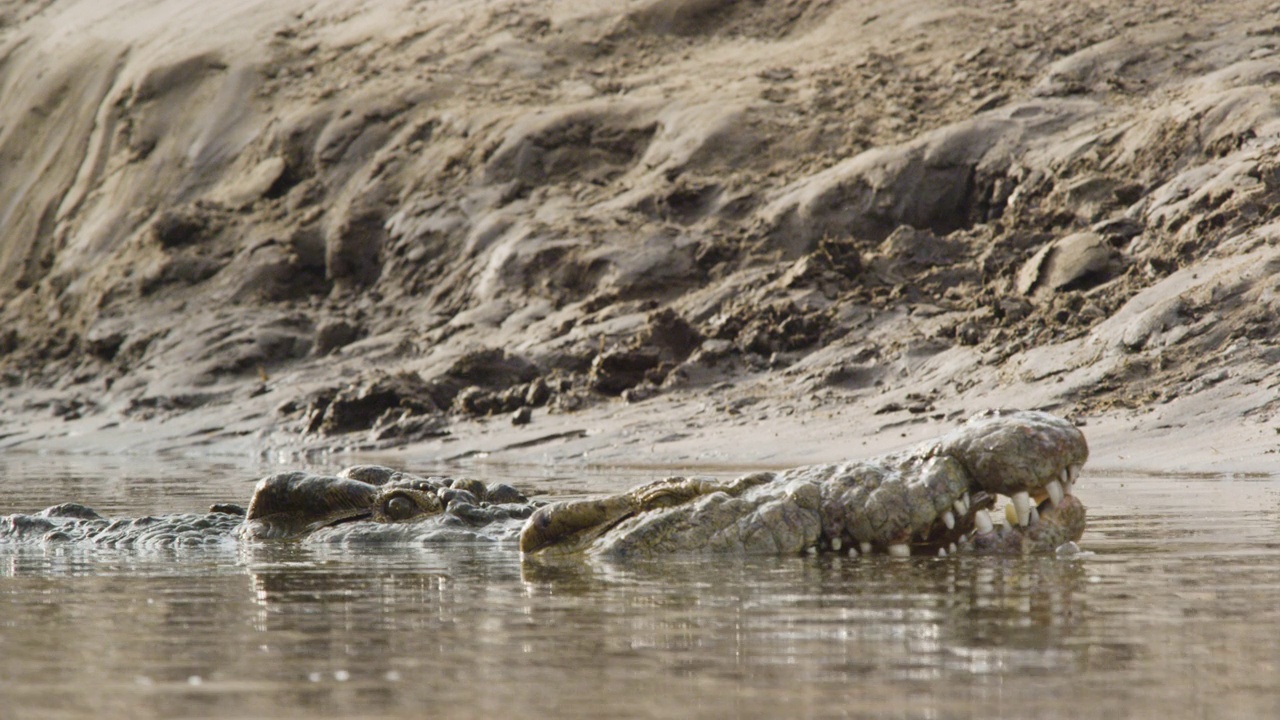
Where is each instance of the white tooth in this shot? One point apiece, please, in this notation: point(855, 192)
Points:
point(1055, 492)
point(866, 548)
point(953, 548)
point(900, 550)
point(960, 507)
point(835, 544)
point(1035, 517)
point(1022, 506)
point(942, 552)
point(949, 520)
point(966, 500)
point(1073, 472)
point(812, 550)
point(1065, 477)
point(853, 551)
point(982, 521)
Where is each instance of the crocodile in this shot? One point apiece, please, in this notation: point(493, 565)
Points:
point(935, 500)
point(361, 504)
point(932, 500)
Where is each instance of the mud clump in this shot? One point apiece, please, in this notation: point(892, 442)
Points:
point(488, 381)
point(618, 370)
point(665, 341)
point(670, 334)
point(379, 401)
point(781, 327)
point(477, 401)
point(188, 225)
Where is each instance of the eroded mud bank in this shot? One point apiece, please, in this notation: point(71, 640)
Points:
point(688, 230)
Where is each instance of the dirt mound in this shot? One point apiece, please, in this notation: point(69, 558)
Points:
point(335, 224)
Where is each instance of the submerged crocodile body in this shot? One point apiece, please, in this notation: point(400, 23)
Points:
point(362, 504)
point(931, 500)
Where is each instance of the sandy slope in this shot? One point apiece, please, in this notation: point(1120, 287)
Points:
point(677, 231)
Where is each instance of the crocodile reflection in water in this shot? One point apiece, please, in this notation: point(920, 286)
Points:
point(932, 500)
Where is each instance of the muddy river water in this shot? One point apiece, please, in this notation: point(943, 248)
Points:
point(1173, 611)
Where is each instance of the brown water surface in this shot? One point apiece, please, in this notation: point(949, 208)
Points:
point(1174, 611)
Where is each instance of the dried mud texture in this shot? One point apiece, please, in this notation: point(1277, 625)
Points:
point(362, 225)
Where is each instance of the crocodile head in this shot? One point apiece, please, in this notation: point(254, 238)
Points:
point(932, 500)
point(371, 503)
point(294, 504)
point(1034, 459)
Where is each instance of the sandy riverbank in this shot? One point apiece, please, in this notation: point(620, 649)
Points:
point(680, 232)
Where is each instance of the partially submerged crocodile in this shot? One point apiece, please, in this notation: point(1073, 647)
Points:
point(374, 503)
point(362, 504)
point(931, 500)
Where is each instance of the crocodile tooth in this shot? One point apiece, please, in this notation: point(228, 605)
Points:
point(1022, 506)
point(835, 544)
point(953, 548)
point(1055, 491)
point(960, 507)
point(942, 552)
point(1035, 517)
point(812, 550)
point(949, 520)
point(866, 548)
point(900, 550)
point(853, 551)
point(1073, 472)
point(982, 521)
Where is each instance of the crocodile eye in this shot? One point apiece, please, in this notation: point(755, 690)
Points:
point(400, 508)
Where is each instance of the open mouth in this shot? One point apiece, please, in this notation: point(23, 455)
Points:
point(1032, 519)
point(1038, 519)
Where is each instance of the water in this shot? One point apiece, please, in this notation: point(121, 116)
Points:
point(1175, 613)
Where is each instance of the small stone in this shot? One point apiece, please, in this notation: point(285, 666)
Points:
point(639, 393)
point(523, 416)
point(1077, 261)
point(333, 335)
point(538, 393)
